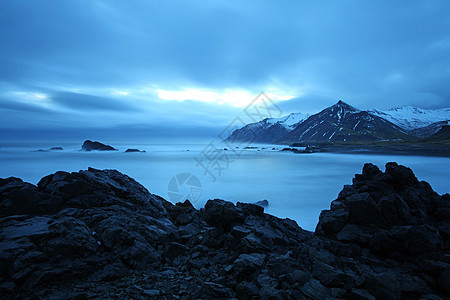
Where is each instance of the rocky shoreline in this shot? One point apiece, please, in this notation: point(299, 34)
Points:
point(392, 148)
point(100, 234)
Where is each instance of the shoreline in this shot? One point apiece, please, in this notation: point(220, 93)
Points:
point(391, 150)
point(101, 234)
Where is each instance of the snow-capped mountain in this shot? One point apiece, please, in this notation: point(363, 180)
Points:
point(289, 122)
point(410, 118)
point(344, 123)
point(443, 135)
point(268, 130)
point(341, 123)
point(429, 130)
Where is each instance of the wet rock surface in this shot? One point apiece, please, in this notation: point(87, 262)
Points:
point(97, 146)
point(100, 234)
point(131, 150)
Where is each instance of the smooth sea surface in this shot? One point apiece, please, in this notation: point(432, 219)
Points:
point(297, 186)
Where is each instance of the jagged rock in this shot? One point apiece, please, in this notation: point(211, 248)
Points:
point(358, 294)
point(176, 249)
point(246, 265)
point(19, 197)
point(100, 234)
point(90, 145)
point(293, 150)
point(246, 290)
point(297, 276)
point(313, 289)
point(222, 214)
point(96, 188)
point(249, 209)
point(386, 212)
point(331, 277)
point(212, 290)
point(383, 286)
point(444, 279)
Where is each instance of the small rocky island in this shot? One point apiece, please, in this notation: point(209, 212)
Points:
point(132, 150)
point(100, 234)
point(90, 145)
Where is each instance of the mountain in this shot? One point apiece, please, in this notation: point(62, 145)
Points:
point(429, 130)
point(443, 135)
point(290, 121)
point(410, 118)
point(344, 123)
point(268, 130)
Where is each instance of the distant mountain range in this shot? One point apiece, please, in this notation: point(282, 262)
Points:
point(410, 118)
point(341, 123)
point(429, 130)
point(269, 130)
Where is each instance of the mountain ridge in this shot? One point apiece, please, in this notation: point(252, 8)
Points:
point(410, 117)
point(342, 122)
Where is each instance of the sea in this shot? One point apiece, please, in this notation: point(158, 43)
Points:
point(296, 186)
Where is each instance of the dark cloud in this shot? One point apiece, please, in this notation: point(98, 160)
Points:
point(7, 105)
point(88, 102)
point(374, 54)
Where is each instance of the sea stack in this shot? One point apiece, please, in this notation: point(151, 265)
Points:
point(90, 145)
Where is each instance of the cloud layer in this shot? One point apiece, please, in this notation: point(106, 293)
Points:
point(63, 61)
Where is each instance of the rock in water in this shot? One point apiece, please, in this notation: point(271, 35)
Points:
point(90, 145)
point(100, 234)
point(133, 150)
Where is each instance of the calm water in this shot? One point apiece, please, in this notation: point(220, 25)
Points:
point(297, 186)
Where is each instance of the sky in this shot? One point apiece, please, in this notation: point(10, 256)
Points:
point(194, 65)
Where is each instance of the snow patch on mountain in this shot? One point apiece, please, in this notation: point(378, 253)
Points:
point(289, 122)
point(410, 118)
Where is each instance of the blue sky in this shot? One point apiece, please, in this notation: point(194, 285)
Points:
point(196, 64)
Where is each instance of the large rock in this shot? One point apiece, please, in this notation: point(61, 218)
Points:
point(133, 150)
point(222, 214)
point(387, 212)
point(18, 197)
point(90, 145)
point(100, 188)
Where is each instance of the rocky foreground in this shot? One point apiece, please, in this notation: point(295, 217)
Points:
point(100, 234)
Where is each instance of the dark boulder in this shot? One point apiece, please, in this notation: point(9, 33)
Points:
point(90, 145)
point(293, 150)
point(18, 197)
point(133, 150)
point(98, 188)
point(313, 289)
point(247, 290)
point(444, 279)
point(389, 211)
point(222, 214)
point(383, 286)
